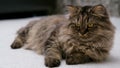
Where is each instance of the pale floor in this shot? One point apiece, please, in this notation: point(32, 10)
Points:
point(21, 58)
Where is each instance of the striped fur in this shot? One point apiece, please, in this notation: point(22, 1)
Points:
point(87, 35)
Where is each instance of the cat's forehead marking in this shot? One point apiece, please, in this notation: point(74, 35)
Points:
point(85, 9)
point(83, 15)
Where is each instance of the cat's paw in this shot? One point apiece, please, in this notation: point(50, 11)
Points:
point(76, 58)
point(16, 45)
point(52, 62)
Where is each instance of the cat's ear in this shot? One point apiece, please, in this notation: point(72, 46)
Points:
point(71, 8)
point(99, 10)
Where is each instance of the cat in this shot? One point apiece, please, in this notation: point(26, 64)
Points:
point(86, 35)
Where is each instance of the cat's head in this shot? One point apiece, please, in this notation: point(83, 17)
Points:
point(89, 21)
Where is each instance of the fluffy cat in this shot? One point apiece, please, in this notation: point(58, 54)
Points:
point(86, 36)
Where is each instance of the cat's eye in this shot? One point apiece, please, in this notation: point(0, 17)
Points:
point(90, 25)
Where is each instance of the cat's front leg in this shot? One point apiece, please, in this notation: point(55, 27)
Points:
point(97, 54)
point(74, 54)
point(52, 57)
point(75, 58)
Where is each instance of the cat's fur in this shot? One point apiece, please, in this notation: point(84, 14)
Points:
point(87, 35)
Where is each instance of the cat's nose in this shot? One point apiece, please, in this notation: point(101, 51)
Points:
point(82, 32)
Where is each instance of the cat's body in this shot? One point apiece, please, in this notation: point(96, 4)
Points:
point(41, 31)
point(87, 35)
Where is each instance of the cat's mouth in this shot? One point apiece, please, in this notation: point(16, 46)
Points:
point(85, 37)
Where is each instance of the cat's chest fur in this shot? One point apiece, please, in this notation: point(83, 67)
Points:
point(67, 38)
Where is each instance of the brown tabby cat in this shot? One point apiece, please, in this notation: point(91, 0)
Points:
point(87, 35)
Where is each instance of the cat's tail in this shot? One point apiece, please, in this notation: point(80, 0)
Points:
point(22, 35)
point(20, 39)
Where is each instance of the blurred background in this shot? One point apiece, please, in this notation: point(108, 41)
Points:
point(29, 8)
point(113, 6)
